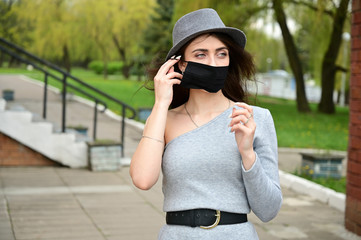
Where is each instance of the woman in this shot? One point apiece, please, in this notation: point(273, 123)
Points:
point(217, 165)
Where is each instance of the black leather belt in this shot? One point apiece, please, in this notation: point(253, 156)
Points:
point(204, 218)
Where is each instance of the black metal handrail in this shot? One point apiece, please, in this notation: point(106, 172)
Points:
point(35, 60)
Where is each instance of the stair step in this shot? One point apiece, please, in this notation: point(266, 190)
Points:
point(64, 148)
point(15, 107)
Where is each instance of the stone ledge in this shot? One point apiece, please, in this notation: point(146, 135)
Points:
point(314, 190)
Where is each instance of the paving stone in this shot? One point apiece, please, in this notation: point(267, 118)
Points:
point(287, 232)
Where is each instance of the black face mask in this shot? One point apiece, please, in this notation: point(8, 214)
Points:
point(201, 76)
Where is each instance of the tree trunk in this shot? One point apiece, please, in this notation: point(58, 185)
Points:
point(120, 50)
point(66, 58)
point(295, 63)
point(1, 59)
point(126, 67)
point(329, 68)
point(12, 62)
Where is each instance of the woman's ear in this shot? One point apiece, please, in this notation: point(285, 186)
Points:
point(182, 66)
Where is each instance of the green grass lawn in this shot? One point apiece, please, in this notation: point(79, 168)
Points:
point(294, 129)
point(311, 130)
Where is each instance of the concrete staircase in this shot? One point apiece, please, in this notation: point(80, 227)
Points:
point(21, 119)
point(64, 148)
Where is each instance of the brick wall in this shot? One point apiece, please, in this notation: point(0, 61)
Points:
point(13, 153)
point(353, 194)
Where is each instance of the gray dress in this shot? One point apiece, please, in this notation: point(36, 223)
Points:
point(203, 169)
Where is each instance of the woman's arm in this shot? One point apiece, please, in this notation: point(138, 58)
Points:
point(262, 180)
point(146, 162)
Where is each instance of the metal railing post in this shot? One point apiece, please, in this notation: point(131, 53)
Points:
point(45, 99)
point(63, 105)
point(123, 129)
point(95, 120)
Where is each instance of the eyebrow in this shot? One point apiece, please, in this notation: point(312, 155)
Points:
point(206, 50)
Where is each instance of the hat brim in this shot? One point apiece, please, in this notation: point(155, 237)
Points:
point(237, 35)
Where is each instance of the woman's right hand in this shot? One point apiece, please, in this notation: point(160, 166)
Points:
point(164, 81)
point(146, 163)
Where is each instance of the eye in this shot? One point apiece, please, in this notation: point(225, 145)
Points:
point(200, 55)
point(222, 54)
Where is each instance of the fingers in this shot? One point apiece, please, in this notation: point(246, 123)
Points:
point(242, 119)
point(241, 111)
point(171, 70)
point(172, 75)
point(165, 79)
point(244, 105)
point(164, 69)
point(175, 81)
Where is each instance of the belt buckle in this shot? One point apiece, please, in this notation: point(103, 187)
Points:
point(218, 215)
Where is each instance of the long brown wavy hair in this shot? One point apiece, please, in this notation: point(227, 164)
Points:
point(241, 69)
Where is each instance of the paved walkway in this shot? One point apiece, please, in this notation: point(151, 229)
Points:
point(58, 203)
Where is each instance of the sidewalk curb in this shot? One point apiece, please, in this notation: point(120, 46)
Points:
point(314, 190)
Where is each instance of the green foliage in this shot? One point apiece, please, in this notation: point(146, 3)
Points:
point(11, 27)
point(96, 66)
point(157, 39)
point(68, 30)
point(112, 67)
point(312, 31)
point(310, 38)
point(51, 26)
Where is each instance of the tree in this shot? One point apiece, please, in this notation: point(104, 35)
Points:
point(115, 27)
point(95, 22)
point(291, 50)
point(324, 51)
point(157, 38)
point(329, 66)
point(51, 24)
point(10, 27)
point(130, 20)
point(8, 20)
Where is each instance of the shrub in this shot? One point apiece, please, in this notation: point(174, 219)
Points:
point(96, 66)
point(112, 67)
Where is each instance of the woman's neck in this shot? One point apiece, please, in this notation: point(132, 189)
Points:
point(201, 102)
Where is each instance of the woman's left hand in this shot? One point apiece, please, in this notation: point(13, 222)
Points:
point(244, 127)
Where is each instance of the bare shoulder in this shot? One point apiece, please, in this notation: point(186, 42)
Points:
point(175, 123)
point(173, 113)
point(175, 116)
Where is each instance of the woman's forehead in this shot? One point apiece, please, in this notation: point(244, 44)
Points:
point(206, 41)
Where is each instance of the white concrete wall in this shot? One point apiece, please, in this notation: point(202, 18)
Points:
point(60, 147)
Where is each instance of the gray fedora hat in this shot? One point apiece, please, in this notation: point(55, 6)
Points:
point(198, 22)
